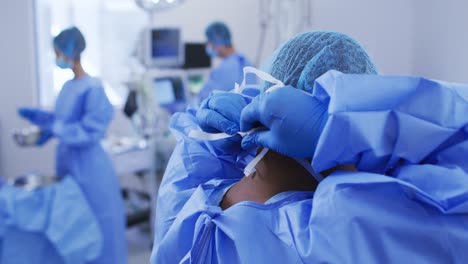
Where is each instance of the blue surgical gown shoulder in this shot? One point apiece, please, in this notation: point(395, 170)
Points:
point(193, 162)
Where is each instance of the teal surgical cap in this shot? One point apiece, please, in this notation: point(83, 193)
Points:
point(307, 56)
point(218, 33)
point(70, 42)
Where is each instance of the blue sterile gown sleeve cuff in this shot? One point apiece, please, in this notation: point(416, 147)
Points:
point(52, 224)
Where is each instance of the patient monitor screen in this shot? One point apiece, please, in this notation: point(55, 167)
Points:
point(165, 43)
point(164, 92)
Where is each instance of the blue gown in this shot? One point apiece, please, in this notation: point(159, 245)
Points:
point(82, 116)
point(407, 136)
point(32, 228)
point(225, 75)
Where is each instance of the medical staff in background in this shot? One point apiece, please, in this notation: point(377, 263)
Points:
point(80, 120)
point(229, 71)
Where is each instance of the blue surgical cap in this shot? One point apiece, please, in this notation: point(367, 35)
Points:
point(70, 42)
point(218, 33)
point(307, 56)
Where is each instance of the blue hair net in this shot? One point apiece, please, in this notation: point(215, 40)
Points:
point(307, 56)
point(218, 33)
point(71, 42)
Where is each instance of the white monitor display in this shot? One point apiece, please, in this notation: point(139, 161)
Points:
point(164, 92)
point(164, 47)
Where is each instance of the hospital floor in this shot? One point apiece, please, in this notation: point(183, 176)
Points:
point(139, 245)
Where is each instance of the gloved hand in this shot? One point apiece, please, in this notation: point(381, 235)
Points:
point(292, 121)
point(45, 136)
point(40, 118)
point(221, 113)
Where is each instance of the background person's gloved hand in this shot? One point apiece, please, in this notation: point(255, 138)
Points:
point(45, 136)
point(293, 121)
point(40, 118)
point(220, 113)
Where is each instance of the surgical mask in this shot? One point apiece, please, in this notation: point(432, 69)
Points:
point(62, 63)
point(277, 84)
point(211, 52)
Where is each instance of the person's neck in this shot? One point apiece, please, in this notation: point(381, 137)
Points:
point(278, 173)
point(274, 174)
point(227, 51)
point(78, 70)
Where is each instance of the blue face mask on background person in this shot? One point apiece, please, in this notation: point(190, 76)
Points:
point(63, 64)
point(211, 52)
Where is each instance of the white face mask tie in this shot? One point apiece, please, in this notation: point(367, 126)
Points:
point(309, 168)
point(201, 135)
point(261, 75)
point(250, 168)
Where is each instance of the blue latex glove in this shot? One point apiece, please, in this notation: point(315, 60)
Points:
point(45, 136)
point(40, 118)
point(221, 113)
point(293, 121)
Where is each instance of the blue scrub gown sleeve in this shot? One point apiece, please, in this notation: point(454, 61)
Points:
point(92, 127)
point(382, 122)
point(410, 128)
point(408, 138)
point(193, 162)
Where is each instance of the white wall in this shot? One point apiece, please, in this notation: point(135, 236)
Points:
point(18, 87)
point(441, 39)
point(383, 27)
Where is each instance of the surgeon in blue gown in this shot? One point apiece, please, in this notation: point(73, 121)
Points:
point(202, 215)
point(229, 71)
point(392, 149)
point(80, 120)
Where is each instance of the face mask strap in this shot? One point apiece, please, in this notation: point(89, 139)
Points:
point(260, 74)
point(250, 168)
point(309, 168)
point(201, 135)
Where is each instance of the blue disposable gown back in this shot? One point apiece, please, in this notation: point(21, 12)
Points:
point(82, 116)
point(409, 201)
point(225, 76)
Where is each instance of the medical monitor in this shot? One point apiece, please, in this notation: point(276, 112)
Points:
point(196, 57)
point(169, 93)
point(164, 48)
